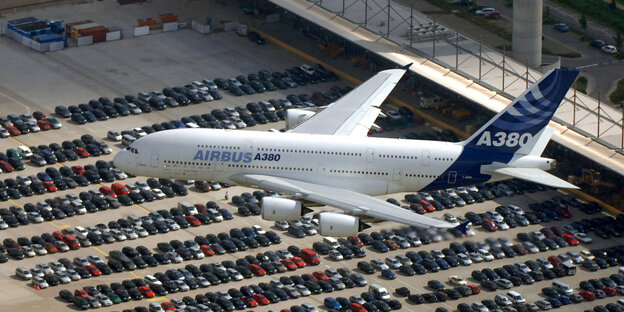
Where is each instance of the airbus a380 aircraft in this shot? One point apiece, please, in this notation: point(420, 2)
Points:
point(329, 160)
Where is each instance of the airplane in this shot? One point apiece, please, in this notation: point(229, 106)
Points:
point(328, 159)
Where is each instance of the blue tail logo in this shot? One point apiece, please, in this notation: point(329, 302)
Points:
point(463, 227)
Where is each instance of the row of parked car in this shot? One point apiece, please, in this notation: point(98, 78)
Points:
point(15, 125)
point(192, 277)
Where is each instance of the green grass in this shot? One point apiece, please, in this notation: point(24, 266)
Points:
point(485, 24)
point(617, 96)
point(598, 11)
point(568, 54)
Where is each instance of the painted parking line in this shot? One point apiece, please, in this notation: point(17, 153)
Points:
point(60, 227)
point(16, 204)
point(134, 274)
point(18, 141)
point(100, 251)
point(142, 207)
point(157, 299)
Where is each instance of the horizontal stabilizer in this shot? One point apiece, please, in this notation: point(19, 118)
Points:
point(535, 175)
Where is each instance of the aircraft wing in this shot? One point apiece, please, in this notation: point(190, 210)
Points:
point(354, 113)
point(535, 175)
point(351, 202)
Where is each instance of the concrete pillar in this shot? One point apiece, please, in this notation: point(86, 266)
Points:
point(527, 32)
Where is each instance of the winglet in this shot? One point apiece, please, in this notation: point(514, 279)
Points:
point(463, 227)
point(406, 67)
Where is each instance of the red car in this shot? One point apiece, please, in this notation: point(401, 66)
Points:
point(309, 277)
point(587, 295)
point(147, 292)
point(493, 15)
point(548, 233)
point(289, 264)
point(256, 269)
point(250, 302)
point(427, 205)
point(260, 299)
point(299, 262)
point(554, 260)
point(563, 211)
point(5, 166)
point(391, 244)
point(519, 249)
point(570, 239)
point(93, 270)
point(58, 235)
point(168, 306)
point(50, 187)
point(43, 125)
point(356, 241)
point(207, 250)
point(81, 152)
point(320, 275)
point(13, 130)
point(418, 208)
point(610, 291)
point(193, 220)
point(80, 293)
point(201, 208)
point(107, 191)
point(489, 225)
point(356, 307)
point(78, 169)
point(120, 189)
point(475, 289)
point(50, 248)
point(39, 115)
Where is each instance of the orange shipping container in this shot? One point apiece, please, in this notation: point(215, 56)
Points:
point(76, 28)
point(68, 26)
point(98, 33)
point(168, 18)
point(148, 21)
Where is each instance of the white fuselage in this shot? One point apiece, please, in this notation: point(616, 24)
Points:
point(367, 165)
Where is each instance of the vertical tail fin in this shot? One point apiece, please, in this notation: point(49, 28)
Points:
point(519, 124)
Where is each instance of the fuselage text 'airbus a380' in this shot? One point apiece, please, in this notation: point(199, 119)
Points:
point(329, 160)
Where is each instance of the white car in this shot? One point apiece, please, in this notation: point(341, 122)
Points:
point(204, 95)
point(73, 275)
point(575, 256)
point(304, 291)
point(393, 263)
point(93, 259)
point(587, 254)
point(307, 69)
point(231, 112)
point(583, 238)
point(379, 265)
point(199, 85)
point(484, 11)
point(173, 226)
point(479, 307)
point(448, 217)
point(63, 277)
point(214, 185)
point(282, 225)
point(456, 280)
point(37, 280)
point(114, 135)
point(475, 257)
point(210, 84)
point(239, 123)
point(39, 249)
point(502, 225)
point(23, 273)
point(158, 194)
point(463, 259)
point(522, 267)
point(258, 229)
point(130, 233)
point(335, 254)
point(46, 269)
point(119, 174)
point(544, 263)
point(81, 232)
point(191, 125)
point(609, 49)
point(502, 300)
point(142, 185)
point(151, 280)
point(485, 254)
point(451, 192)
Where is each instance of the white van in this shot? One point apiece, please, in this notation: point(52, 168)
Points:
point(562, 287)
point(24, 151)
point(127, 139)
point(187, 208)
point(516, 297)
point(332, 242)
point(379, 291)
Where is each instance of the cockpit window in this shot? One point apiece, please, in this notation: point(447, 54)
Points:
point(132, 150)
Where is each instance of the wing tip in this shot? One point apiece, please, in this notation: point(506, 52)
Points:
point(406, 67)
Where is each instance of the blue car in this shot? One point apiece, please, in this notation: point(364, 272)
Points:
point(388, 274)
point(227, 215)
point(332, 303)
point(178, 124)
point(443, 264)
point(565, 300)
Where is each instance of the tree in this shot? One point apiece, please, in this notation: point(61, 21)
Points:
point(583, 21)
point(619, 40)
point(612, 5)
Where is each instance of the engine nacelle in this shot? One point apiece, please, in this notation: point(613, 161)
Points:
point(282, 209)
point(339, 225)
point(296, 116)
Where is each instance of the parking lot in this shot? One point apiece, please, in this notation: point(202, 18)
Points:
point(154, 62)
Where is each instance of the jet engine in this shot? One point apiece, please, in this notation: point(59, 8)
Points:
point(296, 116)
point(282, 209)
point(339, 225)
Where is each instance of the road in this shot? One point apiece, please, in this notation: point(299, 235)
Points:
point(602, 71)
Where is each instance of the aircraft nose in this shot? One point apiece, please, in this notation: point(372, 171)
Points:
point(124, 160)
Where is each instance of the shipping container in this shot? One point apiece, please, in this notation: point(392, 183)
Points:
point(148, 21)
point(21, 21)
point(98, 33)
point(168, 18)
point(69, 26)
point(122, 2)
point(76, 28)
point(50, 38)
